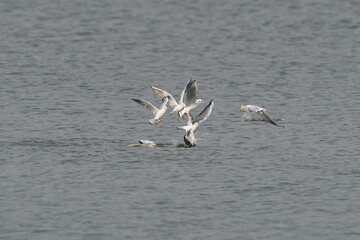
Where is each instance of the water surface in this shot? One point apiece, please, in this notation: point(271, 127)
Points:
point(68, 72)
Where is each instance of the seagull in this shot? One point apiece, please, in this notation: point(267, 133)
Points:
point(189, 139)
point(193, 123)
point(144, 143)
point(261, 112)
point(190, 98)
point(159, 113)
point(177, 107)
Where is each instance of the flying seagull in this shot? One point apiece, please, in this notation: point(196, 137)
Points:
point(193, 123)
point(261, 112)
point(177, 107)
point(191, 99)
point(159, 113)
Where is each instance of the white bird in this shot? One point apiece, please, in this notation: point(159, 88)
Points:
point(159, 113)
point(144, 143)
point(193, 123)
point(261, 112)
point(191, 99)
point(177, 107)
point(189, 139)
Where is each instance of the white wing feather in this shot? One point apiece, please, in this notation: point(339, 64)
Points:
point(146, 104)
point(164, 94)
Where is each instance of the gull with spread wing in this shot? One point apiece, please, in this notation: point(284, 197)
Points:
point(191, 99)
point(193, 123)
point(261, 112)
point(177, 107)
point(158, 113)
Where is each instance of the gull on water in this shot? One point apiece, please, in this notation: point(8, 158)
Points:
point(189, 139)
point(261, 112)
point(193, 123)
point(191, 99)
point(144, 143)
point(159, 113)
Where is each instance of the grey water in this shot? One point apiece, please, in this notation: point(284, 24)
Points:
point(68, 71)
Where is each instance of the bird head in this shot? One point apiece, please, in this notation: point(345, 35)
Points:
point(243, 108)
point(199, 101)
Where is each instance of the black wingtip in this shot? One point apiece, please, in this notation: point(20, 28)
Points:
point(211, 103)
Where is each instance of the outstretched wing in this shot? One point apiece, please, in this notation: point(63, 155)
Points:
point(164, 102)
point(266, 118)
point(146, 104)
point(162, 94)
point(182, 96)
point(205, 113)
point(190, 94)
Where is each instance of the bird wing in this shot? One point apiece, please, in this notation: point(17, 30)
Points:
point(189, 139)
point(189, 121)
point(162, 93)
point(254, 108)
point(190, 94)
point(266, 118)
point(164, 102)
point(146, 104)
point(182, 96)
point(205, 113)
point(148, 142)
